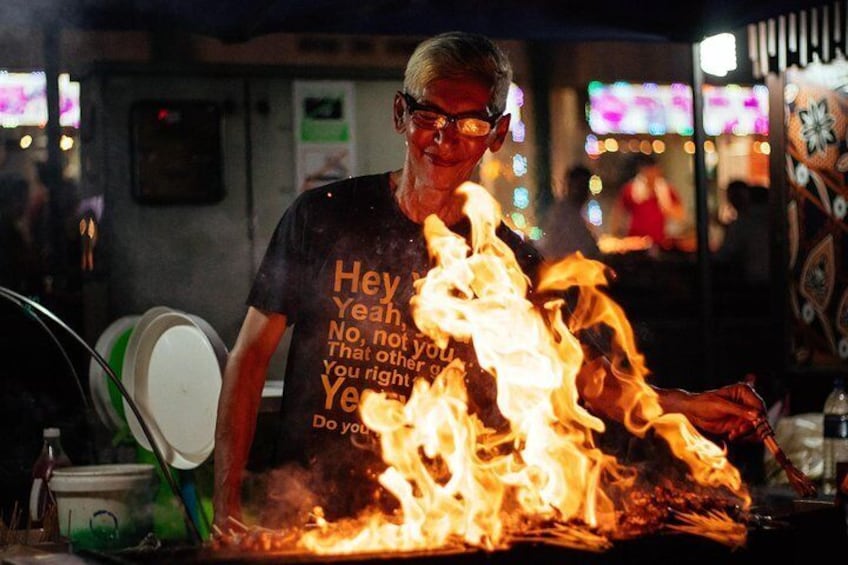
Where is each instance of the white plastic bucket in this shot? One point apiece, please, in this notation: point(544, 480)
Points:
point(105, 506)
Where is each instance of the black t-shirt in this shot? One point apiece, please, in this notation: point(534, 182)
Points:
point(341, 266)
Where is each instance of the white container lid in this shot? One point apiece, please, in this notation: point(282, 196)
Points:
point(173, 370)
point(102, 478)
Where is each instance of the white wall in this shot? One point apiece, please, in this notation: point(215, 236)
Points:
point(202, 258)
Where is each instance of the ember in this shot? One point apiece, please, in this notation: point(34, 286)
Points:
point(460, 483)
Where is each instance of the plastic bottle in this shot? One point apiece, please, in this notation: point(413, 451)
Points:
point(52, 456)
point(835, 443)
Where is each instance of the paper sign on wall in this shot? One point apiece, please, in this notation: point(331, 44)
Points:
point(324, 132)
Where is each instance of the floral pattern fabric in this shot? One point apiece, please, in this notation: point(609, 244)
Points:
point(816, 112)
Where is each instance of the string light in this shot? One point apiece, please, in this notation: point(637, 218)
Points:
point(593, 148)
point(594, 213)
point(519, 165)
point(519, 220)
point(514, 103)
point(611, 145)
point(518, 132)
point(596, 185)
point(520, 197)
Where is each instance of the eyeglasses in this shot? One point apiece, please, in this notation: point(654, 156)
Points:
point(469, 124)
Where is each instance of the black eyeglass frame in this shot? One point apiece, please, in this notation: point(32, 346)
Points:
point(412, 105)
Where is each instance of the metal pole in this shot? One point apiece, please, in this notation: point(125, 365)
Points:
point(781, 338)
point(703, 219)
point(540, 61)
point(52, 173)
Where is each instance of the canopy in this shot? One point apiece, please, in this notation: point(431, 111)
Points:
point(554, 20)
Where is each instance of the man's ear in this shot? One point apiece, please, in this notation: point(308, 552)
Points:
point(501, 130)
point(398, 111)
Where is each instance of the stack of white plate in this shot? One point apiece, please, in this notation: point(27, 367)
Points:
point(172, 370)
point(111, 345)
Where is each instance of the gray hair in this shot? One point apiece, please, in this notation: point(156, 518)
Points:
point(460, 55)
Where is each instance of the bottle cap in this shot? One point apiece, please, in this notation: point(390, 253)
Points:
point(52, 432)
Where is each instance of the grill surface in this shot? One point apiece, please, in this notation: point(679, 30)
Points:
point(791, 532)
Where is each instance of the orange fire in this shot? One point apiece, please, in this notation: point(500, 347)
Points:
point(545, 478)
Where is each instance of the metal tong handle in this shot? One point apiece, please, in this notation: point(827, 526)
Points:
point(799, 481)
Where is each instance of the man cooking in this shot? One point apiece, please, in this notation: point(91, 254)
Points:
point(340, 269)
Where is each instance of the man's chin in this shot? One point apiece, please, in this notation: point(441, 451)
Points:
point(446, 179)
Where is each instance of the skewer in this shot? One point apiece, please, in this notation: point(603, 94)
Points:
point(799, 481)
point(238, 523)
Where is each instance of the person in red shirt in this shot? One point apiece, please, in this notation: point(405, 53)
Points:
point(646, 203)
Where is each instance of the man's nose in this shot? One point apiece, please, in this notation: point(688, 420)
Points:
point(448, 132)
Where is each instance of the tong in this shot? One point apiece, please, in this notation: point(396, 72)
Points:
point(799, 481)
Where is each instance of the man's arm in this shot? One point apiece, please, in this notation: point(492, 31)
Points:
point(238, 406)
point(731, 411)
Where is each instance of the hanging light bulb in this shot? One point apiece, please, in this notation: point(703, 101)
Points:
point(718, 54)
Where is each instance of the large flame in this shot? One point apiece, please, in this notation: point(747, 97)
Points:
point(545, 476)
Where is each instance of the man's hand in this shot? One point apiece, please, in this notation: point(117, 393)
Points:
point(226, 506)
point(731, 411)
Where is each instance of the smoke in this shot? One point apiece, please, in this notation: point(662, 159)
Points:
point(343, 484)
point(282, 497)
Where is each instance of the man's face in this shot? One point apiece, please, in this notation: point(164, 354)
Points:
point(443, 158)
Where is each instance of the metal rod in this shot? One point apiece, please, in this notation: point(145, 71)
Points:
point(21, 300)
point(52, 172)
point(703, 218)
